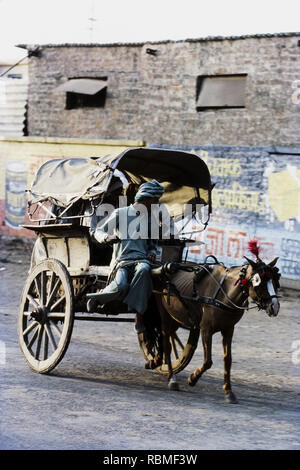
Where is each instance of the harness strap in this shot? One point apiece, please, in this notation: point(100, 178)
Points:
point(200, 299)
point(220, 285)
point(214, 303)
point(182, 299)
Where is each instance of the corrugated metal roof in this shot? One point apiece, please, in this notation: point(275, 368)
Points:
point(166, 41)
point(13, 96)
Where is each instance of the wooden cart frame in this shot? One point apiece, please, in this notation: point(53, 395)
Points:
point(67, 264)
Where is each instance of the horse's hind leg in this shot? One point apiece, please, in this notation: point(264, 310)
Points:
point(206, 336)
point(227, 340)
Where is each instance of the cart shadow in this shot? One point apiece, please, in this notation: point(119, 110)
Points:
point(115, 376)
point(208, 389)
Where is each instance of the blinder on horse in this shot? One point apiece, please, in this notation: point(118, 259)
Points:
point(263, 275)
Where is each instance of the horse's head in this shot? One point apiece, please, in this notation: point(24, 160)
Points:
point(263, 283)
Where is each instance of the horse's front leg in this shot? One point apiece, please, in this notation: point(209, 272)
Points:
point(172, 382)
point(227, 340)
point(206, 336)
point(166, 330)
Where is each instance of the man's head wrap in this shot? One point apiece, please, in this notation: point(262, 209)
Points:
point(150, 189)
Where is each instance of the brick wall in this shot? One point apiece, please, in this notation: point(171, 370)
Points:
point(153, 97)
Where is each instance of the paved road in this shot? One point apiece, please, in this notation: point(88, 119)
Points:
point(101, 397)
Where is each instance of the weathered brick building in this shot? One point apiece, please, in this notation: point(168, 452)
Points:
point(234, 101)
point(163, 92)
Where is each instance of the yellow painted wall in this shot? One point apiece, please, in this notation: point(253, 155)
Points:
point(30, 153)
point(36, 150)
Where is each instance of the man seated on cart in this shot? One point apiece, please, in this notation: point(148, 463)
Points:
point(133, 253)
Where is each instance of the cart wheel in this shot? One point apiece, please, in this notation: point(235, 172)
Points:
point(183, 345)
point(46, 315)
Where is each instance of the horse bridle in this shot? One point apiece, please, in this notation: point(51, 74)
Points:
point(261, 271)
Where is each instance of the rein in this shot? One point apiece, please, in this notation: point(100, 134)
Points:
point(202, 299)
point(218, 303)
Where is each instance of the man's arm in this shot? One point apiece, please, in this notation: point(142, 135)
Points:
point(106, 231)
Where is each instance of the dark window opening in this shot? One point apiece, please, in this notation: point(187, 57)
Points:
point(220, 92)
point(80, 100)
point(84, 92)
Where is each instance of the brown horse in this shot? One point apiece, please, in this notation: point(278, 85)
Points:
point(214, 303)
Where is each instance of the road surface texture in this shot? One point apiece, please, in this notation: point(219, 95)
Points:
point(101, 397)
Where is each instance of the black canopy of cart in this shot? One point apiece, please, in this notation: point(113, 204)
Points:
point(184, 175)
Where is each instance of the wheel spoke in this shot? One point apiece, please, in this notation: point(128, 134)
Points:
point(30, 327)
point(34, 336)
point(174, 348)
point(53, 292)
point(46, 343)
point(32, 301)
point(39, 342)
point(57, 303)
point(178, 340)
point(50, 335)
point(56, 327)
point(37, 283)
point(51, 283)
point(43, 287)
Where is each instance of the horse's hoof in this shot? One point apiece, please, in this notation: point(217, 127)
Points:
point(231, 398)
point(191, 381)
point(153, 363)
point(150, 364)
point(173, 386)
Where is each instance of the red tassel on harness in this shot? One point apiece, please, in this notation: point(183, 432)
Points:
point(254, 248)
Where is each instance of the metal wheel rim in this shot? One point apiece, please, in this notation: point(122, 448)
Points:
point(46, 315)
point(182, 349)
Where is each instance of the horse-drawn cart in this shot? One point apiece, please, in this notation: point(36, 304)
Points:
point(64, 204)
